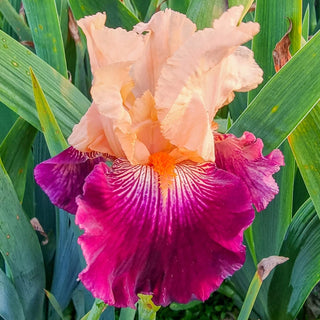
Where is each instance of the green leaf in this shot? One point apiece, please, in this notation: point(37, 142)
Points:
point(28, 202)
point(44, 23)
point(54, 303)
point(313, 16)
point(15, 20)
point(45, 211)
point(7, 119)
point(117, 14)
point(292, 282)
point(51, 130)
point(20, 247)
point(178, 306)
point(273, 25)
point(6, 27)
point(151, 9)
point(62, 10)
point(66, 101)
point(304, 142)
point(300, 193)
point(245, 3)
point(132, 8)
point(141, 7)
point(285, 100)
point(10, 305)
point(305, 24)
point(238, 105)
point(67, 259)
point(14, 152)
point(80, 74)
point(203, 12)
point(179, 5)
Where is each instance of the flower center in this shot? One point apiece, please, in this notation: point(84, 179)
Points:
point(163, 164)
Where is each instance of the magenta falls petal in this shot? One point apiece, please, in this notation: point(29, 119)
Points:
point(243, 157)
point(177, 248)
point(62, 177)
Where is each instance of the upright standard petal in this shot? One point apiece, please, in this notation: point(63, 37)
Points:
point(109, 117)
point(163, 35)
point(200, 77)
point(243, 157)
point(62, 177)
point(146, 125)
point(107, 45)
point(90, 134)
point(177, 248)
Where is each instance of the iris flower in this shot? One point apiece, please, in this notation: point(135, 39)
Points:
point(167, 217)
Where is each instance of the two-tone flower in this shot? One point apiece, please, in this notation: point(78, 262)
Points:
point(167, 217)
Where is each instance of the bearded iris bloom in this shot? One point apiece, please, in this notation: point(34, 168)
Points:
point(167, 218)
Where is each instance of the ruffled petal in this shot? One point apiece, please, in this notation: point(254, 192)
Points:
point(165, 33)
point(243, 157)
point(108, 126)
point(146, 125)
point(105, 115)
point(200, 77)
point(106, 45)
point(177, 248)
point(94, 133)
point(62, 177)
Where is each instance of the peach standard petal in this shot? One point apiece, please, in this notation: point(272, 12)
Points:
point(200, 78)
point(163, 35)
point(146, 125)
point(158, 87)
point(96, 130)
point(91, 133)
point(108, 127)
point(106, 45)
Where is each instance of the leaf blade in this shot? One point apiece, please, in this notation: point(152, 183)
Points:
point(54, 304)
point(118, 15)
point(68, 103)
point(270, 115)
point(21, 250)
point(44, 23)
point(14, 152)
point(52, 132)
point(15, 20)
point(302, 245)
point(10, 305)
point(305, 147)
point(203, 12)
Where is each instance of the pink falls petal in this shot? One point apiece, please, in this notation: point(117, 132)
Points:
point(62, 177)
point(177, 249)
point(243, 157)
